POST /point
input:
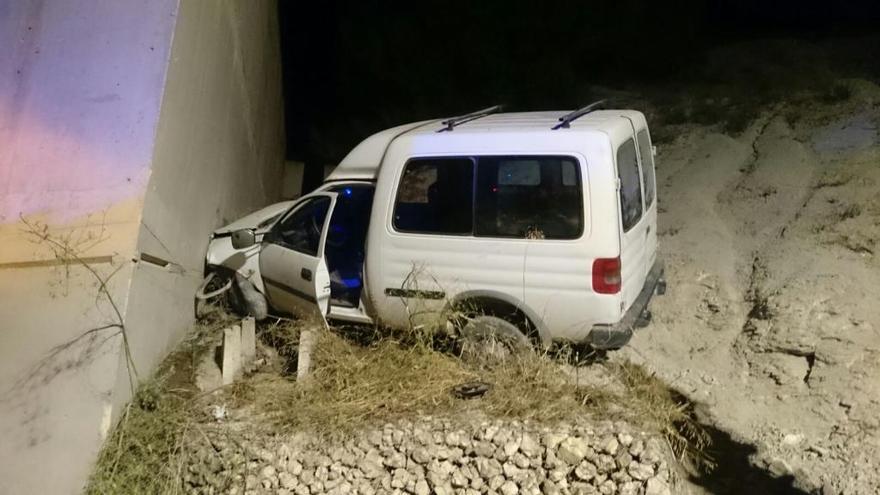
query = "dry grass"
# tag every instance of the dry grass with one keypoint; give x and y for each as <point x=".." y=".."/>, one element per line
<point x="352" y="385"/>
<point x="146" y="452"/>
<point x="355" y="385"/>
<point x="656" y="407"/>
<point x="369" y="381"/>
<point x="159" y="428"/>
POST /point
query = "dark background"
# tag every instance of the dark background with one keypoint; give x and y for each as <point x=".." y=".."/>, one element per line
<point x="352" y="68"/>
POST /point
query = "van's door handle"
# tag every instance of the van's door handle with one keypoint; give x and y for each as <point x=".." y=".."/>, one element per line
<point x="648" y="231"/>
<point x="306" y="274"/>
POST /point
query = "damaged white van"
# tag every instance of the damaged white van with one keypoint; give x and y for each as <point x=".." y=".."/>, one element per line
<point x="532" y="227"/>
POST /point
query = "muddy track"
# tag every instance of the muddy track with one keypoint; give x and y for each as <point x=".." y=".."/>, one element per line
<point x="770" y="322"/>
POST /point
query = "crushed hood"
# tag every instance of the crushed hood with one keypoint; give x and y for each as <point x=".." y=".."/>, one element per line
<point x="253" y="220"/>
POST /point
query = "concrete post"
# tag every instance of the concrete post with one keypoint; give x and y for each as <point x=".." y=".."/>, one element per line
<point x="248" y="342"/>
<point x="304" y="357"/>
<point x="231" y="354"/>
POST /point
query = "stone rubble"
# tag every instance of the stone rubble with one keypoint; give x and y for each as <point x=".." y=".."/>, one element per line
<point x="441" y="457"/>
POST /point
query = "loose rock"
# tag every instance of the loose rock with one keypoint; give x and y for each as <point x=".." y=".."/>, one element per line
<point x="508" y="459"/>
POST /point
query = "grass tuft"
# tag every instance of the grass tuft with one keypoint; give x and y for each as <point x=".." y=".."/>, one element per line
<point x="655" y="406"/>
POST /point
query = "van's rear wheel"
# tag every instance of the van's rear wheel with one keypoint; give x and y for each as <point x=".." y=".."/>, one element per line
<point x="490" y="338"/>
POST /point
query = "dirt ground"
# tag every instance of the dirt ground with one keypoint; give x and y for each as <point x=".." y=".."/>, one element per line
<point x="771" y="322"/>
<point x="770" y="325"/>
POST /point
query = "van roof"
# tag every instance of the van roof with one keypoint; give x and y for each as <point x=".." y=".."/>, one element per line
<point x="363" y="162"/>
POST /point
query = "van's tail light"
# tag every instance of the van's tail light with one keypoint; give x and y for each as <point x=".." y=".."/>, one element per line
<point x="606" y="275"/>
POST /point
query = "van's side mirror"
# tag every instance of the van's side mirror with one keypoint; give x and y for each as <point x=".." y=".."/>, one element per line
<point x="243" y="238"/>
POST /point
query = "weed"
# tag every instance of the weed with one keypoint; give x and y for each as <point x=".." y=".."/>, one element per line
<point x="354" y="386"/>
<point x="654" y="406"/>
<point x="145" y="450"/>
<point x="351" y="385"/>
<point x="156" y="434"/>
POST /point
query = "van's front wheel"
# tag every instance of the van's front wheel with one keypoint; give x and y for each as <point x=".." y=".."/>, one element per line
<point x="490" y="338"/>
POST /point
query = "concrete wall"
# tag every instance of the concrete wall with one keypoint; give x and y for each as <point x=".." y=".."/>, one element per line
<point x="219" y="154"/>
<point x="81" y="84"/>
<point x="125" y="127"/>
<point x="292" y="179"/>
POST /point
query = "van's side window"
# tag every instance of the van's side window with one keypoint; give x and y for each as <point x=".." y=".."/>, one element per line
<point x="647" y="167"/>
<point x="523" y="196"/>
<point x="436" y="196"/>
<point x="630" y="184"/>
<point x="301" y="230"/>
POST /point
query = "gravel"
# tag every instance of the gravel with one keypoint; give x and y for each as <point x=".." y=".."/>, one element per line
<point x="437" y="456"/>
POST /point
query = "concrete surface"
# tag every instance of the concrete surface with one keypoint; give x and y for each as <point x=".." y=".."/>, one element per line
<point x="77" y="121"/>
<point x="129" y="130"/>
<point x="292" y="179"/>
<point x="219" y="154"/>
<point x="232" y="354"/>
<point x="248" y="341"/>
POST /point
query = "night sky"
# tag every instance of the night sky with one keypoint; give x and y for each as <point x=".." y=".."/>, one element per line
<point x="352" y="68"/>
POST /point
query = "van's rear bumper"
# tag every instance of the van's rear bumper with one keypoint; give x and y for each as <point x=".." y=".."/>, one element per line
<point x="617" y="335"/>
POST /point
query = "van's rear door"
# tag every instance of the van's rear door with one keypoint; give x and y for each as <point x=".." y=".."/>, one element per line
<point x="292" y="261"/>
<point x="649" y="189"/>
<point x="634" y="226"/>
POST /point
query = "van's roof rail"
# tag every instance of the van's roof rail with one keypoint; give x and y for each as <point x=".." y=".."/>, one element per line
<point x="451" y="122"/>
<point x="568" y="118"/>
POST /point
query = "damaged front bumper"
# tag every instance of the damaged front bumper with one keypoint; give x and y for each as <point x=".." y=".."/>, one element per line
<point x="608" y="337"/>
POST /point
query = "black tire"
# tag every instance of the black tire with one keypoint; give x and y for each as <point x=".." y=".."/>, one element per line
<point x="487" y="337"/>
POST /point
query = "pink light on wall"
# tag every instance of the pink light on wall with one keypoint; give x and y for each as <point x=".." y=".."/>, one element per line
<point x="44" y="171"/>
<point x="81" y="86"/>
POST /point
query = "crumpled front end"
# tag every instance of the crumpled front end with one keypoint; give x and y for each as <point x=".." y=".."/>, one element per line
<point x="235" y="273"/>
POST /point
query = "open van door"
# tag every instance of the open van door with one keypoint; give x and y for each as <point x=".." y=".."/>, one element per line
<point x="292" y="258"/>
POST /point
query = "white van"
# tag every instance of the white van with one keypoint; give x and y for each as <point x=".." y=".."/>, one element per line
<point x="539" y="226"/>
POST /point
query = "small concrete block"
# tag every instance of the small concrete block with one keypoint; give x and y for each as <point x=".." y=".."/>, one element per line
<point x="248" y="341"/>
<point x="208" y="374"/>
<point x="231" y="353"/>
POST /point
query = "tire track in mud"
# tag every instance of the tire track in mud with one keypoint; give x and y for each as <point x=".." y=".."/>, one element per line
<point x="770" y="323"/>
<point x="773" y="191"/>
<point x="758" y="208"/>
<point x="777" y="181"/>
<point x="809" y="331"/>
<point x="748" y="192"/>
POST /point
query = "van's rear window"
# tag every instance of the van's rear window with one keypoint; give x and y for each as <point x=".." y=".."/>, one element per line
<point x="528" y="196"/>
<point x="538" y="197"/>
